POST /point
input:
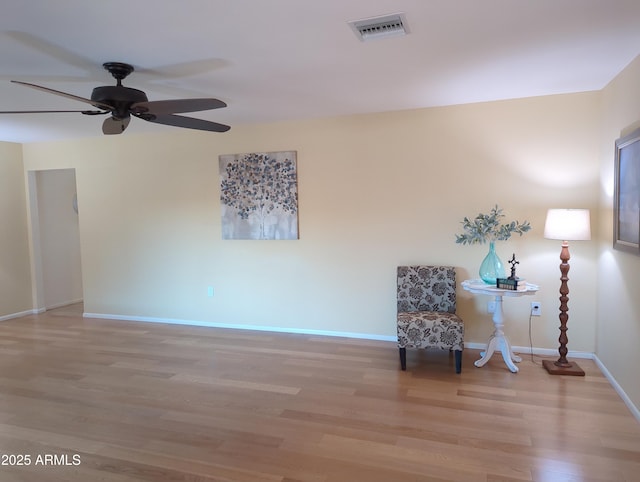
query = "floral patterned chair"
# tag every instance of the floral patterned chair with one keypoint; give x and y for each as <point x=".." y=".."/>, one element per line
<point x="427" y="311"/>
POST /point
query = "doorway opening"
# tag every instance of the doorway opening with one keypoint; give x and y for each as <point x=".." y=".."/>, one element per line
<point x="55" y="237"/>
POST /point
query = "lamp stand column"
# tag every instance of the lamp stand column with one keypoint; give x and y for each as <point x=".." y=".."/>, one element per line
<point x="562" y="366"/>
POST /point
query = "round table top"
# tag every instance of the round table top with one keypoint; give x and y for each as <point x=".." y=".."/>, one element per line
<point x="480" y="287"/>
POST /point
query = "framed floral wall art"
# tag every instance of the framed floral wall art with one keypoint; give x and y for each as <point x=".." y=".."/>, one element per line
<point x="626" y="202"/>
<point x="259" y="195"/>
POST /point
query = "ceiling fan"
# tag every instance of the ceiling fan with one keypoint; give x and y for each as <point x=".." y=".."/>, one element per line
<point x="123" y="102"/>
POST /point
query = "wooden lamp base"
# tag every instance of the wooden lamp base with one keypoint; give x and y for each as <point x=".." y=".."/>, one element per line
<point x="554" y="368"/>
<point x="563" y="366"/>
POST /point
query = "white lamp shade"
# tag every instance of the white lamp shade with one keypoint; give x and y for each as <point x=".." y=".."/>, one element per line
<point x="568" y="225"/>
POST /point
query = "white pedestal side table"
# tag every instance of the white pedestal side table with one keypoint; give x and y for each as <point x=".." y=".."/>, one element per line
<point x="498" y="340"/>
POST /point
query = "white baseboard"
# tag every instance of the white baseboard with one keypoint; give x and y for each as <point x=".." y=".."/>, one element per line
<point x="63" y="304"/>
<point x="172" y="321"/>
<point x="37" y="311"/>
<point x="535" y="351"/>
<point x="20" y="314"/>
<point x="627" y="401"/>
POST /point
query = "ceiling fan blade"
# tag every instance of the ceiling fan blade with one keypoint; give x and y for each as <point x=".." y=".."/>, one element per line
<point x="86" y="112"/>
<point x="174" y="106"/>
<point x="184" y="69"/>
<point x="64" y="94"/>
<point x="188" y="122"/>
<point x="153" y="78"/>
<point x="56" y="52"/>
<point x="111" y="125"/>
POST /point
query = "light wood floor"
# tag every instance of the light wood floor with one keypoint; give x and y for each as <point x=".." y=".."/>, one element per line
<point x="129" y="401"/>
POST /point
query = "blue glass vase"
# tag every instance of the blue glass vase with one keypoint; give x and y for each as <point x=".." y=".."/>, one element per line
<point x="491" y="267"/>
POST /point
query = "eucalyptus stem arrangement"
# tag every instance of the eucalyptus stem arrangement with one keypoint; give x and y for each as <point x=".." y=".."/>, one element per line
<point x="489" y="228"/>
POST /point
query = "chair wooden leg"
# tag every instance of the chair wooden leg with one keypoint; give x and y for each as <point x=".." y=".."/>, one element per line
<point x="403" y="358"/>
<point x="458" y="355"/>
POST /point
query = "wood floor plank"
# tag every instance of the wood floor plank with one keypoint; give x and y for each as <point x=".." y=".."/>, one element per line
<point x="153" y="402"/>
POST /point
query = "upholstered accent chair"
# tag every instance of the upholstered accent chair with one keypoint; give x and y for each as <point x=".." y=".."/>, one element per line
<point x="427" y="311"/>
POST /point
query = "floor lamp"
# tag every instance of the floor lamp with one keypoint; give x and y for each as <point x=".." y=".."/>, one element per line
<point x="566" y="225"/>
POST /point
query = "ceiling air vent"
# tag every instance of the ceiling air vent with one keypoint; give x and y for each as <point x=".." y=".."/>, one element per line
<point x="380" y="27"/>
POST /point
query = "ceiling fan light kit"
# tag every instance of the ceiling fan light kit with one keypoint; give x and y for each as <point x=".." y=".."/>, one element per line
<point x="123" y="102"/>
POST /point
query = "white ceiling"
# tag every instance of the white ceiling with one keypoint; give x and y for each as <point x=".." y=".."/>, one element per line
<point x="274" y="60"/>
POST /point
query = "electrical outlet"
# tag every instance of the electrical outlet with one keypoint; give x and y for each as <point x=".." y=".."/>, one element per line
<point x="491" y="307"/>
<point x="536" y="308"/>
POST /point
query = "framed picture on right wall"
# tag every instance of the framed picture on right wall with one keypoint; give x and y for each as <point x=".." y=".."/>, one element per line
<point x="626" y="200"/>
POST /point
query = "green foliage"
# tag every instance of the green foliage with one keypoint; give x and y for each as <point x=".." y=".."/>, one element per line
<point x="488" y="227"/>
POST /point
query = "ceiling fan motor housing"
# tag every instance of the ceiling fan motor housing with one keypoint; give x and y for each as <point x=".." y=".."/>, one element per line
<point x="119" y="97"/>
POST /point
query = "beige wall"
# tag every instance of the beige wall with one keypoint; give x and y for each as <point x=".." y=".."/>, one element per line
<point x="618" y="334"/>
<point x="15" y="274"/>
<point x="375" y="191"/>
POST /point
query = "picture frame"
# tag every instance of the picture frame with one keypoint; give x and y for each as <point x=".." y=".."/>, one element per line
<point x="626" y="201"/>
<point x="259" y="195"/>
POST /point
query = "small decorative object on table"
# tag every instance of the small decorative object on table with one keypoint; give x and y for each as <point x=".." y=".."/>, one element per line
<point x="512" y="282"/>
<point x="488" y="228"/>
